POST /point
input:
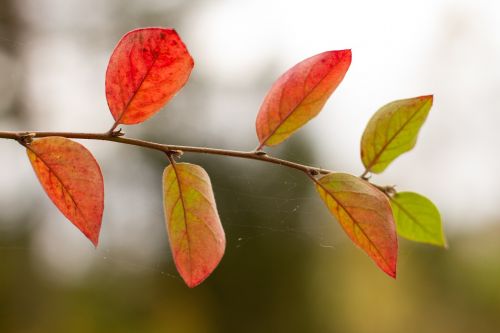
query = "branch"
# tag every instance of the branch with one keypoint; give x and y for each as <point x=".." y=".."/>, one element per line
<point x="117" y="136"/>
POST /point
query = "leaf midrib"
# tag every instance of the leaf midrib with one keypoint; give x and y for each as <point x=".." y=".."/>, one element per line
<point x="181" y="198"/>
<point x="127" y="105"/>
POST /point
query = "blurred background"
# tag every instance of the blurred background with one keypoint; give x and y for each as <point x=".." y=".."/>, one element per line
<point x="288" y="266"/>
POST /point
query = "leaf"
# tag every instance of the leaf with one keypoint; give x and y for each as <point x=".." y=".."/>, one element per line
<point x="73" y="181"/>
<point x="365" y="215"/>
<point x="147" y="68"/>
<point x="393" y="130"/>
<point x="194" y="229"/>
<point x="299" y="95"/>
<point x="417" y="218"/>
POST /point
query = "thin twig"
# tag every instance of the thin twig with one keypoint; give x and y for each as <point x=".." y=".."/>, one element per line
<point x="388" y="190"/>
<point x="364" y="175"/>
<point x="117" y="136"/>
<point x="112" y="129"/>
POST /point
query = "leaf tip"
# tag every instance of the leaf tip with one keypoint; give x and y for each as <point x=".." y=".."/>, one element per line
<point x="346" y="53"/>
<point x="389" y="267"/>
<point x="94" y="239"/>
<point x="192" y="283"/>
<point x="342" y="55"/>
<point x="445" y="244"/>
<point x="194" y="279"/>
<point x="92" y="235"/>
<point x="392" y="272"/>
<point x="428" y="98"/>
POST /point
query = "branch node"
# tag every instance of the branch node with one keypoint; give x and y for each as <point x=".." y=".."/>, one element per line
<point x="313" y="172"/>
<point x="25" y="138"/>
<point x="390" y="189"/>
<point x="366" y="177"/>
<point x="116" y="133"/>
<point x="260" y="153"/>
<point x="174" y="153"/>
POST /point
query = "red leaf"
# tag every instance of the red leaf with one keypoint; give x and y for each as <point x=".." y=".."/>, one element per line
<point x="196" y="236"/>
<point x="73" y="181"/>
<point x="365" y="214"/>
<point x="147" y="68"/>
<point x="299" y="95"/>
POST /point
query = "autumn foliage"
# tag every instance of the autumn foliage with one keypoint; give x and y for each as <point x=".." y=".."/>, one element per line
<point x="149" y="66"/>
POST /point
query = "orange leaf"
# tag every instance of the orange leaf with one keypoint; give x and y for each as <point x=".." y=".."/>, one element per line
<point x="147" y="68"/>
<point x="73" y="181"/>
<point x="365" y="214"/>
<point x="299" y="95"/>
<point x="194" y="229"/>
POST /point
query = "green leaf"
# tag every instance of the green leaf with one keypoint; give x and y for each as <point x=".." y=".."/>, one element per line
<point x="365" y="215"/>
<point x="417" y="218"/>
<point x="392" y="131"/>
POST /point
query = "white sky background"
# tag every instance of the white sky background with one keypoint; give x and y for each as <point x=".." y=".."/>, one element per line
<point x="400" y="49"/>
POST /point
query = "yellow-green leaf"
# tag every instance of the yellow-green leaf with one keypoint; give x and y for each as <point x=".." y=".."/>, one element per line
<point x="194" y="229"/>
<point x="417" y="218"/>
<point x="365" y="215"/>
<point x="393" y="130"/>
